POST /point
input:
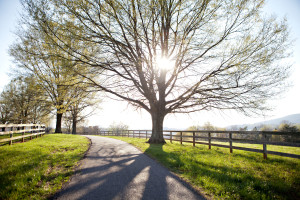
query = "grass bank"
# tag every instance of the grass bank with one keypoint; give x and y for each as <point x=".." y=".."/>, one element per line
<point x="241" y="175"/>
<point x="37" y="169"/>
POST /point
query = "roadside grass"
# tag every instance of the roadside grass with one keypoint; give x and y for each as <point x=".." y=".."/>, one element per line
<point x="240" y="175"/>
<point x="37" y="169"/>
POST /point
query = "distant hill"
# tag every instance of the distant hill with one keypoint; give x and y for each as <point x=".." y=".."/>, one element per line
<point x="293" y="119"/>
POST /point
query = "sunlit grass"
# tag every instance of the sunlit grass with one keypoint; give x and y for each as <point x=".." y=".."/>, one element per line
<point x="240" y="175"/>
<point x="38" y="168"/>
<point x="283" y="149"/>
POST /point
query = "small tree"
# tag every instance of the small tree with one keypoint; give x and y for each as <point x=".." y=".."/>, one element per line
<point x="118" y="127"/>
<point x="245" y="128"/>
<point x="194" y="128"/>
<point x="266" y="128"/>
<point x="84" y="105"/>
<point x="208" y="127"/>
<point x="287" y="127"/>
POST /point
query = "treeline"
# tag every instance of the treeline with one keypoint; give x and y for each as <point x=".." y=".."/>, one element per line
<point x="83" y="130"/>
<point x="23" y="101"/>
<point x="44" y="83"/>
<point x="116" y="127"/>
<point x="284" y="126"/>
<point x="31" y="99"/>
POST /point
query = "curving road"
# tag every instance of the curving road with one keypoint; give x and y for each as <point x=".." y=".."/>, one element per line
<point x="113" y="169"/>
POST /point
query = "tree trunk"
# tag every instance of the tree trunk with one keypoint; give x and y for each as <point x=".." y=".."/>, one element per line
<point x="157" y="128"/>
<point x="58" y="123"/>
<point x="74" y="123"/>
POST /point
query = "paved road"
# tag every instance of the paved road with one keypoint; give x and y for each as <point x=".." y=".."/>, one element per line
<point x="114" y="169"/>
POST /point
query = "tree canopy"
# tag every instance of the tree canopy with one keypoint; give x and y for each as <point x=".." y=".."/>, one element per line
<point x="23" y="101"/>
<point x="37" y="55"/>
<point x="171" y="56"/>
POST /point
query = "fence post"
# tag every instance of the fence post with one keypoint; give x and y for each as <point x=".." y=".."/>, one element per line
<point x="180" y="137"/>
<point x="209" y="140"/>
<point x="146" y="135"/>
<point x="11" y="135"/>
<point x="230" y="142"/>
<point x="264" y="145"/>
<point x="171" y="136"/>
<point x="193" y="138"/>
<point x="139" y="134"/>
<point x="40" y="132"/>
<point x="43" y="130"/>
<point x="23" y="133"/>
<point x="30" y="132"/>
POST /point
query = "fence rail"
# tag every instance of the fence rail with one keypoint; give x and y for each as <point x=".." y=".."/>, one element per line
<point x="291" y="139"/>
<point x="22" y="130"/>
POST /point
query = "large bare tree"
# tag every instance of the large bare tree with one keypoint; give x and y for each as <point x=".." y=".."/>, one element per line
<point x="173" y="56"/>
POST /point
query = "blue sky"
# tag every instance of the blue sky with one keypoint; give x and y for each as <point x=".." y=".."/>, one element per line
<point x="111" y="112"/>
<point x="8" y="21"/>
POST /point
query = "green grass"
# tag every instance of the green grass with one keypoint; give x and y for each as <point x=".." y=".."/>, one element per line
<point x="283" y="149"/>
<point x="37" y="169"/>
<point x="241" y="175"/>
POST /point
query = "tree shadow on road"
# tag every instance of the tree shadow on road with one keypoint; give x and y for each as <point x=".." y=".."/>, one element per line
<point x="125" y="176"/>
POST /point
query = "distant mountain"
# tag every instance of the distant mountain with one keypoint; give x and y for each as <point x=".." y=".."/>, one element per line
<point x="293" y="119"/>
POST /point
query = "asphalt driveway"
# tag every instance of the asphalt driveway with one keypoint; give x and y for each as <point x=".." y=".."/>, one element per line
<point x="113" y="169"/>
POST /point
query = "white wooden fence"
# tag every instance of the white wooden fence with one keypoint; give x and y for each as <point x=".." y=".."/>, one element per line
<point x="14" y="132"/>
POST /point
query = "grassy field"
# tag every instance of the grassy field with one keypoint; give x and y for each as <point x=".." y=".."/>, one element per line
<point x="37" y="169"/>
<point x="241" y="175"/>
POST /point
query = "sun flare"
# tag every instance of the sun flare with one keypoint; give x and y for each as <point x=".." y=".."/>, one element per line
<point x="164" y="63"/>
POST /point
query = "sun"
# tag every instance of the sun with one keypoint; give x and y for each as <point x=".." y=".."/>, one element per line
<point x="164" y="63"/>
